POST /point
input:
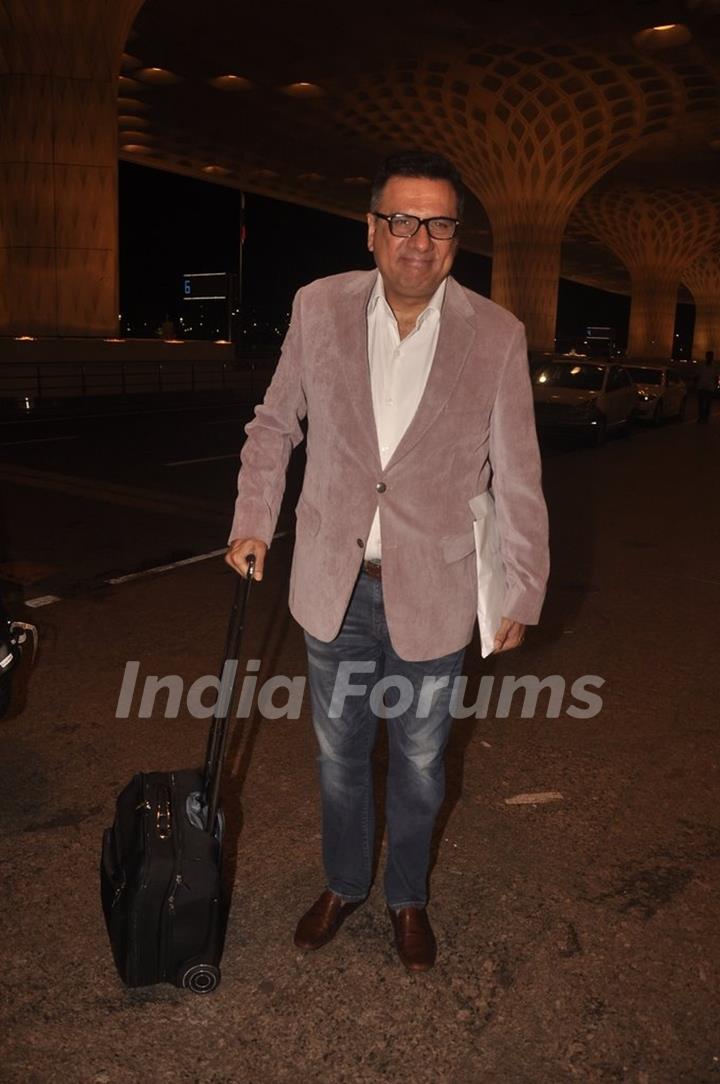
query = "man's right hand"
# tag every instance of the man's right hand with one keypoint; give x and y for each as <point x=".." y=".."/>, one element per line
<point x="240" y="550"/>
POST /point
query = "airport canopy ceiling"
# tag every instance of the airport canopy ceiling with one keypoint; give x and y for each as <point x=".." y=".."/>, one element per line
<point x="536" y="104"/>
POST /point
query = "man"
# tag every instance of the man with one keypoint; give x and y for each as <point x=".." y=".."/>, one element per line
<point x="416" y="392"/>
<point x="706" y="386"/>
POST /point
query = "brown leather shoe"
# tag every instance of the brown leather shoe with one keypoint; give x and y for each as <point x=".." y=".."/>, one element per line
<point x="320" y="924"/>
<point x="414" y="938"/>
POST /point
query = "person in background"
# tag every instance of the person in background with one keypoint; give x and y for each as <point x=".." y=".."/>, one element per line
<point x="706" y="386"/>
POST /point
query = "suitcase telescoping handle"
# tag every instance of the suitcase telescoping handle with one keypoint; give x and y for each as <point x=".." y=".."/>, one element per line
<point x="217" y="740"/>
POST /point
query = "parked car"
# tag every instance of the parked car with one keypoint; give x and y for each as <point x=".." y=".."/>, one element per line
<point x="583" y="395"/>
<point x="661" y="392"/>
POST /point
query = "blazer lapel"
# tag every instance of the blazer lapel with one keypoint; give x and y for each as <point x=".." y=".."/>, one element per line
<point x="457" y="334"/>
<point x="351" y="329"/>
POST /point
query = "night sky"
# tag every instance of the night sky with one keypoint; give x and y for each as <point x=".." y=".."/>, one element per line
<point x="171" y="225"/>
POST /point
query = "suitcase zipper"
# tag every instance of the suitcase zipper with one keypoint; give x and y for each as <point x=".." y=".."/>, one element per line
<point x="164" y="826"/>
<point x="163" y="814"/>
<point x="133" y="964"/>
<point x="113" y="870"/>
<point x="171" y="898"/>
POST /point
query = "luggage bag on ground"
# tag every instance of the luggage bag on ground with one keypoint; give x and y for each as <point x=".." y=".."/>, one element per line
<point x="161" y="864"/>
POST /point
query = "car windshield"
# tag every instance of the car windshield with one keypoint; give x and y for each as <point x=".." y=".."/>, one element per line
<point x="565" y="375"/>
<point x="646" y="376"/>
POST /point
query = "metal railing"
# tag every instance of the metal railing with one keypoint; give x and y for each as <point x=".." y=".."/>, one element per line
<point x="39" y="382"/>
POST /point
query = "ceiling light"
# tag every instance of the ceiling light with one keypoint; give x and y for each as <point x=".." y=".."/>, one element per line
<point x="302" y="90"/>
<point x="231" y="82"/>
<point x="157" y="76"/>
<point x="219" y="171"/>
<point x="135" y="148"/>
<point x="664" y="36"/>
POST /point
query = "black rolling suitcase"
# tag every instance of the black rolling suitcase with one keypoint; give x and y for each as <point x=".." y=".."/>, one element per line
<point x="161" y="861"/>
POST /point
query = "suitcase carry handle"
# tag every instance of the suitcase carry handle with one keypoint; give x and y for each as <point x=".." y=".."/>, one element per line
<point x="218" y="737"/>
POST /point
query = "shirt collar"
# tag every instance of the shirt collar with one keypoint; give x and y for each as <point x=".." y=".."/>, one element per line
<point x="434" y="304"/>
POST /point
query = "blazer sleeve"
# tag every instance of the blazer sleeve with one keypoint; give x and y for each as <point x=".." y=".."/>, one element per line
<point x="270" y="438"/>
<point x="521" y="511"/>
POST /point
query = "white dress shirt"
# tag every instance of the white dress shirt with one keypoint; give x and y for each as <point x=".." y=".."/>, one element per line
<point x="398" y="373"/>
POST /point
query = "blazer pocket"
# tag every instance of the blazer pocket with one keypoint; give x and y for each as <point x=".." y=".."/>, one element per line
<point x="456" y="546"/>
<point x="307" y="516"/>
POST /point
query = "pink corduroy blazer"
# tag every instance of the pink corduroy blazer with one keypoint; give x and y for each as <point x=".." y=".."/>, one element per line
<point x="474" y="428"/>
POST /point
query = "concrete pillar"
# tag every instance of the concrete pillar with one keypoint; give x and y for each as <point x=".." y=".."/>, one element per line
<point x="526" y="273"/>
<point x="58" y="165"/>
<point x="656" y="232"/>
<point x="702" y="278"/>
<point x="652" y="312"/>
<point x="531" y="129"/>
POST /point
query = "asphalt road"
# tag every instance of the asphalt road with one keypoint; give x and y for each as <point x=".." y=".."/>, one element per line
<point x="578" y="935"/>
<point x="87" y="499"/>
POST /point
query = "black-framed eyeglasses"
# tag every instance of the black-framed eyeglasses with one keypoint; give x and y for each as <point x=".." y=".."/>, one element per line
<point x="439" y="228"/>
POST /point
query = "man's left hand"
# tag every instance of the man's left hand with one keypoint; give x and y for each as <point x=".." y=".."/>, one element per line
<point x="510" y="634"/>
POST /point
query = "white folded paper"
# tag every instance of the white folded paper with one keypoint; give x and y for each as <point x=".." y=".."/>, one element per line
<point x="490" y="570"/>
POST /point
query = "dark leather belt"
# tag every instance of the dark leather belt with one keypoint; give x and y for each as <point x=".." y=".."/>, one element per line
<point x="373" y="568"/>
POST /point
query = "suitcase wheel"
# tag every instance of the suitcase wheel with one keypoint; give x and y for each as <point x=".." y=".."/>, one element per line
<point x="201" y="978"/>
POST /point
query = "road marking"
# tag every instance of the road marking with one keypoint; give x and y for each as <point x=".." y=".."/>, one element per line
<point x="165" y="568"/>
<point x="42" y="600"/>
<point x="178" y="564"/>
<point x="47" y="600"/>
<point x="541" y="797"/>
<point x="205" y="459"/>
<point x="36" y="440"/>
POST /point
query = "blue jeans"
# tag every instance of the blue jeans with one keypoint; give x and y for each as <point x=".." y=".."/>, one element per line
<point x="346" y="701"/>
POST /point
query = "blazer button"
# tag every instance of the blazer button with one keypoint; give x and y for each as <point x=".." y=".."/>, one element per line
<point x="381" y="487"/>
<point x="360" y="543"/>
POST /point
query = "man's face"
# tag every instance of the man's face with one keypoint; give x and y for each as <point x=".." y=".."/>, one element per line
<point x="412" y="267"/>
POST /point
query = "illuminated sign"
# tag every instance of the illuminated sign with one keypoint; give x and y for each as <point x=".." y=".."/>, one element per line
<point x="206" y="286"/>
